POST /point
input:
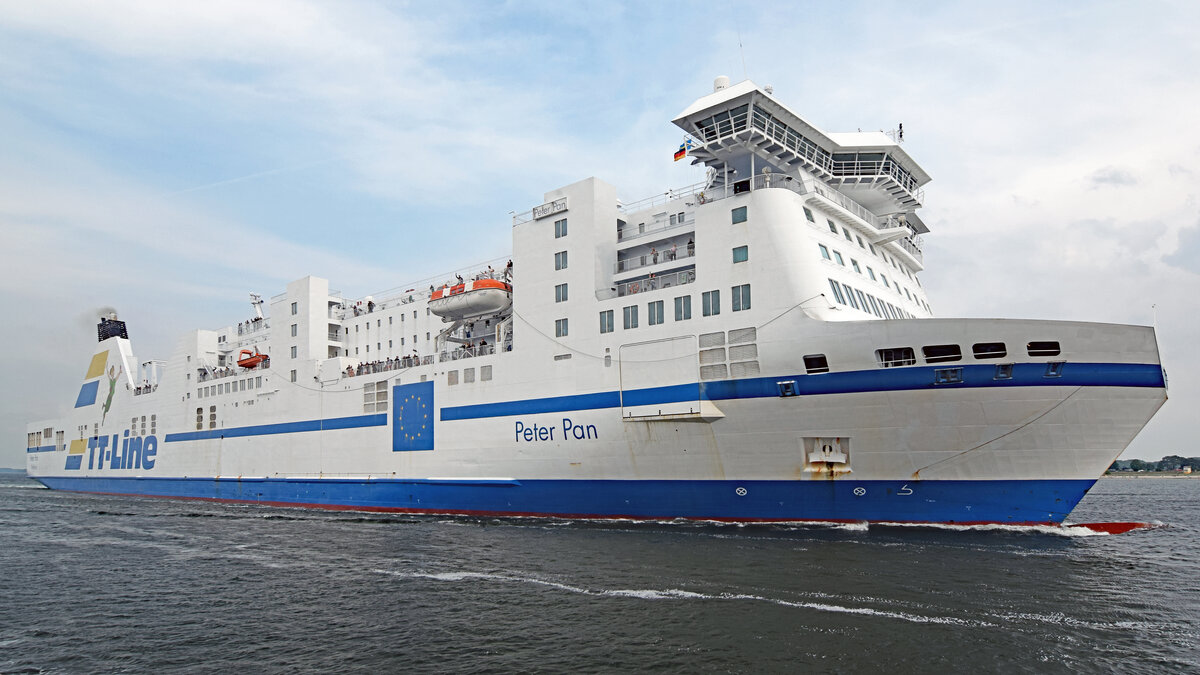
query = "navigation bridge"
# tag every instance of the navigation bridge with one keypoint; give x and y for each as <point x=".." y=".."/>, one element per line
<point x="741" y="131"/>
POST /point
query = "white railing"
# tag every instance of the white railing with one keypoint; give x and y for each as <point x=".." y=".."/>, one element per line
<point x="648" y="259"/>
<point x="656" y="283"/>
<point x="466" y="352"/>
<point x="663" y="224"/>
<point x="659" y="199"/>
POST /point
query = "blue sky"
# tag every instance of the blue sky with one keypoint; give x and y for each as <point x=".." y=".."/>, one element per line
<point x="168" y="158"/>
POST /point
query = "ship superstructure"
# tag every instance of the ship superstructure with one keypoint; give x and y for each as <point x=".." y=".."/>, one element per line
<point x="755" y="347"/>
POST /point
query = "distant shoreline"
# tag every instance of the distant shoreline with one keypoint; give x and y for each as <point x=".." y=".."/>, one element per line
<point x="1150" y="474"/>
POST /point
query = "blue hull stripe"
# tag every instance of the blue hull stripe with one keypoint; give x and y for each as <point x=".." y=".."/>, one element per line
<point x="862" y="381"/>
<point x="330" y="424"/>
<point x="42" y="448"/>
<point x="983" y="501"/>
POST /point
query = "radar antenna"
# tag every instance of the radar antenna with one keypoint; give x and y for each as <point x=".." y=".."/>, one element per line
<point x="256" y="302"/>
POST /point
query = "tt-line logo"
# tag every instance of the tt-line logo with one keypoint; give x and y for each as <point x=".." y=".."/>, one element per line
<point x="137" y="452"/>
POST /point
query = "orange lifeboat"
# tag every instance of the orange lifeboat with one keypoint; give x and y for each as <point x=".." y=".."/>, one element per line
<point x="471" y="298"/>
<point x="251" y="359"/>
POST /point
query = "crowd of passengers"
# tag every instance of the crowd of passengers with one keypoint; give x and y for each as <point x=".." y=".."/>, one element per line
<point x="384" y="365"/>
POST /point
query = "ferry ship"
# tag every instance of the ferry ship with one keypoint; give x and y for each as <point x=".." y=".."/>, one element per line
<point x="756" y="347"/>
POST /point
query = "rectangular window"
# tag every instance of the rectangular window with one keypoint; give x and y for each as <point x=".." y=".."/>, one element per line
<point x="838" y="256"/>
<point x="832" y="227"/>
<point x="710" y="302"/>
<point x="560" y="228"/>
<point x="560" y="260"/>
<point x="854" y="264"/>
<point x="862" y="300"/>
<point x="875" y="306"/>
<point x="871" y="273"/>
<point x="824" y="251"/>
<point x="816" y="363"/>
<point x="741" y="254"/>
<point x="885" y="281"/>
<point x="560" y="328"/>
<point x="560" y="293"/>
<point x="293" y="351"/>
<point x="739" y="215"/>
<point x="1003" y="371"/>
<point x="860" y="241"/>
<point x="837" y="291"/>
<point x="896" y="356"/>
<point x="808" y="214"/>
<point x="848" y="237"/>
<point x="941" y="353"/>
<point x="683" y="308"/>
<point x="989" y="350"/>
<point x="655" y="312"/>
<point x="741" y="297"/>
<point x="606" y="321"/>
<point x="293" y="330"/>
<point x="947" y="375"/>
<point x="1043" y="349"/>
<point x="631" y="318"/>
<point x="295" y="308"/>
<point x="850" y="296"/>
<point x="293" y="376"/>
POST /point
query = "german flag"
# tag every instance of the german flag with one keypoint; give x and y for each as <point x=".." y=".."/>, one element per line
<point x="681" y="152"/>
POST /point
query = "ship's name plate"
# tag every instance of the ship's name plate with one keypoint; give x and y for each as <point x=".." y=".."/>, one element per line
<point x="550" y="208"/>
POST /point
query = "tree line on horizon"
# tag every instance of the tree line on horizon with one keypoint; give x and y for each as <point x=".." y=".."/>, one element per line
<point x="1168" y="463"/>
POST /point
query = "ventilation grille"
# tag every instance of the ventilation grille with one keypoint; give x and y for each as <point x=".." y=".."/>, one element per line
<point x="717" y="372"/>
<point x="743" y="353"/>
<point x="712" y="340"/>
<point x="710" y="356"/>
<point x="742" y="335"/>
<point x="744" y="369"/>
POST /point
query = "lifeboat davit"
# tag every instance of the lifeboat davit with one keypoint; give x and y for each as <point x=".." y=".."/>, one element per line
<point x="251" y="359"/>
<point x="471" y="298"/>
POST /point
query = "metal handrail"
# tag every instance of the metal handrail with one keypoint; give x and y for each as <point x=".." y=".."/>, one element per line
<point x="659" y="225"/>
<point x="656" y="283"/>
<point x="647" y="259"/>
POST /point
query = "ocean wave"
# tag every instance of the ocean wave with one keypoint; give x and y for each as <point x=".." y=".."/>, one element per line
<point x="678" y="594"/>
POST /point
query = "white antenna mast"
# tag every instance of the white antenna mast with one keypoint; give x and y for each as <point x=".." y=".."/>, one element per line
<point x="256" y="302"/>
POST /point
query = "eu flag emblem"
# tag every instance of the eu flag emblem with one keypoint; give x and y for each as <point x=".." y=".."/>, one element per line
<point x="412" y="417"/>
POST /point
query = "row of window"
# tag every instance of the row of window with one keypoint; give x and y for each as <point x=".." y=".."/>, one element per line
<point x="906" y="356"/>
<point x="866" y="302"/>
<point x="468" y="375"/>
<point x="230" y="387"/>
<point x="656" y="312"/>
<point x="837" y="257"/>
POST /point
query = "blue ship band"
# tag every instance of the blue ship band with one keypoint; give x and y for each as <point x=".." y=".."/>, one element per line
<point x="843" y="500"/>
<point x="854" y="382"/>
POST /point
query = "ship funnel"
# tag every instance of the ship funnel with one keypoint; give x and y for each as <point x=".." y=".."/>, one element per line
<point x="722" y="82"/>
<point x="109" y="327"/>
